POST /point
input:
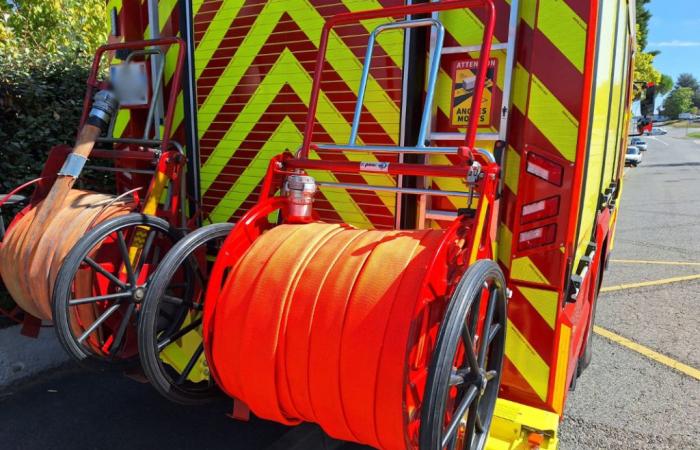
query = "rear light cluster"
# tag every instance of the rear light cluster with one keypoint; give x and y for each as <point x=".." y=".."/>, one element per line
<point x="545" y="169"/>
<point x="547" y="209"/>
<point x="537" y="237"/>
<point x="542" y="209"/>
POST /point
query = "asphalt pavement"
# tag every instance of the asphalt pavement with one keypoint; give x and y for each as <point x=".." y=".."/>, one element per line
<point x="625" y="400"/>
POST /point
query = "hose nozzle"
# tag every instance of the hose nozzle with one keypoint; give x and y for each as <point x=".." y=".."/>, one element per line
<point x="104" y="106"/>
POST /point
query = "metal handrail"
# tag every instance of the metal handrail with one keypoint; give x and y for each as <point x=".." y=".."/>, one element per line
<point x="432" y="74"/>
<point x="403" y="150"/>
<point x="402" y="190"/>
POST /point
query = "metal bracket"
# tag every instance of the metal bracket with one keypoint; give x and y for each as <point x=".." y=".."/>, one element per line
<point x="73" y="166"/>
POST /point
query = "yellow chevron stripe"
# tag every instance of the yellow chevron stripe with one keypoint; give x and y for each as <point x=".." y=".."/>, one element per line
<point x="565" y="29"/>
<point x="545" y="302"/>
<point x="521" y="83"/>
<point x="216" y="30"/>
<point x="196" y="4"/>
<point x="561" y="369"/>
<point x="505" y="242"/>
<point x="511" y="171"/>
<point x="286" y="137"/>
<point x="165" y="10"/>
<point x="277" y="77"/>
<point x="525" y="270"/>
<point x="528" y="362"/>
<point x="111" y="4"/>
<point x="479" y="229"/>
<point x="528" y="12"/>
<point x="123" y="116"/>
<point x="339" y="56"/>
<point x="388" y="40"/>
<point x="552" y="119"/>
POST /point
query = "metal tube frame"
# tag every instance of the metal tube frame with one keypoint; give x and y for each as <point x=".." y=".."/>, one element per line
<point x="405" y="10"/>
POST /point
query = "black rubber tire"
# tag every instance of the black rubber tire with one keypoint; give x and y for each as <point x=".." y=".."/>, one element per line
<point x="154" y="368"/>
<point x="62" y="288"/>
<point x="441" y="369"/>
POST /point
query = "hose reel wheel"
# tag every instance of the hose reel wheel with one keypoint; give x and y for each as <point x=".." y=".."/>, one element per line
<point x="467" y="363"/>
<point x="101" y="285"/>
<point x="169" y="333"/>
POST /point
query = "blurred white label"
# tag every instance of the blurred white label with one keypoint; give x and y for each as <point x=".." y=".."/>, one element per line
<point x="130" y="82"/>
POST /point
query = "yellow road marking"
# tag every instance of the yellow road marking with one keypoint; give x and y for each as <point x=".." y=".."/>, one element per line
<point x="649" y="353"/>
<point x="660" y="263"/>
<point x="621" y="287"/>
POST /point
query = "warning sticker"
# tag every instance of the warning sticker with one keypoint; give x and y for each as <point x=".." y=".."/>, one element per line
<point x="464" y="79"/>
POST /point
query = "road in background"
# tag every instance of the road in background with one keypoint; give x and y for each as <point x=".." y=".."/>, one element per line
<point x="625" y="400"/>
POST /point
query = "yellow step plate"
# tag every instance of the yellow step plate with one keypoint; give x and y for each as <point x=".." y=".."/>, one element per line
<point x="521" y="427"/>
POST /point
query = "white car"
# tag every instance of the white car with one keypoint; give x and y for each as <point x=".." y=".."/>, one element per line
<point x="633" y="157"/>
<point x="658" y="132"/>
<point x="639" y="143"/>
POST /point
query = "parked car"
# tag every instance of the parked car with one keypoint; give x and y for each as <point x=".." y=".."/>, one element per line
<point x="658" y="132"/>
<point x="639" y="143"/>
<point x="633" y="157"/>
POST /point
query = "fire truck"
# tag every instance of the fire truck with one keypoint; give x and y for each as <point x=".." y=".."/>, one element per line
<point x="507" y="118"/>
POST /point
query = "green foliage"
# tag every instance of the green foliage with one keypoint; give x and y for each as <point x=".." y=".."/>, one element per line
<point x="665" y="85"/>
<point x="46" y="47"/>
<point x="688" y="81"/>
<point x="40" y="105"/>
<point x="680" y="100"/>
<point x="52" y="27"/>
<point x="643" y="17"/>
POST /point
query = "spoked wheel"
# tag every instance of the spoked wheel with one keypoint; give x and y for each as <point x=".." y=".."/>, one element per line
<point x="466" y="367"/>
<point x="170" y="327"/>
<point x="101" y="285"/>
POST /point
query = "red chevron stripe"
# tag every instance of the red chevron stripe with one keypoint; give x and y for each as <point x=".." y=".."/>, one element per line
<point x="335" y="88"/>
<point x="515" y="387"/>
<point x="370" y="203"/>
<point x="502" y="13"/>
<point x="540" y="57"/>
<point x="202" y="20"/>
<point x="582" y="8"/>
<point x="526" y="319"/>
<point x="240" y="29"/>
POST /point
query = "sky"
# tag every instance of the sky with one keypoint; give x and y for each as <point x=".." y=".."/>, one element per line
<point x="674" y="30"/>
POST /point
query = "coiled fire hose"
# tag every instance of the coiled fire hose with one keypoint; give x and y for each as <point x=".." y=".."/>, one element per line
<point x="36" y="244"/>
<point x="323" y="323"/>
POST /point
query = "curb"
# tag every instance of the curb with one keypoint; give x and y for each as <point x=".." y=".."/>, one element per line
<point x="22" y="357"/>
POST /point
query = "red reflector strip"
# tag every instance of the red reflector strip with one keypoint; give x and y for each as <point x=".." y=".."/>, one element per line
<point x="537" y="237"/>
<point x="542" y="209"/>
<point x="545" y="169"/>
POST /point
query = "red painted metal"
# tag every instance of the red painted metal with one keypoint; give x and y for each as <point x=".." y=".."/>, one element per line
<point x="406" y="10"/>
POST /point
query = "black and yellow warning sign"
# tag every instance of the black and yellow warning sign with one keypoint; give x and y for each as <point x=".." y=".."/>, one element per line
<point x="464" y="80"/>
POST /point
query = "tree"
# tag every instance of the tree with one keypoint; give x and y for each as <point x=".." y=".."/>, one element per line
<point x="696" y="99"/>
<point x="643" y="17"/>
<point x="687" y="80"/>
<point x="644" y="70"/>
<point x="680" y="100"/>
<point x="52" y="27"/>
<point x="665" y="84"/>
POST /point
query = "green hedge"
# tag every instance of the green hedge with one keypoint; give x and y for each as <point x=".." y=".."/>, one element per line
<point x="40" y="106"/>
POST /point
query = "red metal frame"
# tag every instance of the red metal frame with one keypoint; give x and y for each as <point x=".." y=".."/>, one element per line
<point x="407" y="10"/>
<point x="94" y="84"/>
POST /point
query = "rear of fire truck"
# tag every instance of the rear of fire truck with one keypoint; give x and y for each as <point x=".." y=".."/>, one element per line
<point x="555" y="113"/>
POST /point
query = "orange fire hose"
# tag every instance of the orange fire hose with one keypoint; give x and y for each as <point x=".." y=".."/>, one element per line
<point x="29" y="273"/>
<point x="318" y="323"/>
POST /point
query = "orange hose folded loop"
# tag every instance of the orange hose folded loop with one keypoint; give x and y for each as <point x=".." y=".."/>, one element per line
<point x="29" y="273"/>
<point x="318" y="323"/>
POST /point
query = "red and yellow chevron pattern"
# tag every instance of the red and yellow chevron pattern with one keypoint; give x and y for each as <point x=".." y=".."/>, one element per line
<point x="254" y="64"/>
